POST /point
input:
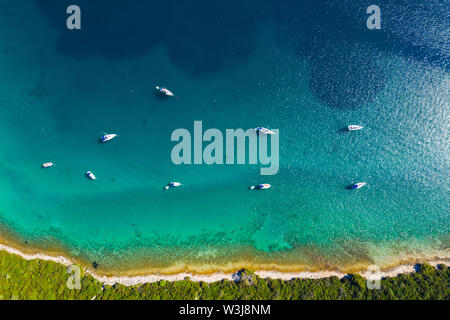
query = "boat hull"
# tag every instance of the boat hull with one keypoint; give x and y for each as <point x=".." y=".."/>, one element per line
<point x="354" y="128"/>
<point x="48" y="165"/>
<point x="108" y="137"/>
<point x="165" y="91"/>
<point x="264" y="130"/>
<point x="358" y="185"/>
<point x="90" y="175"/>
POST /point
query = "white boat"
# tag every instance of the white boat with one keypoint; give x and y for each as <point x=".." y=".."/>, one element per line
<point x="165" y="91"/>
<point x="172" y="185"/>
<point x="90" y="175"/>
<point x="108" y="137"/>
<point x="264" y="130"/>
<point x="48" y="165"/>
<point x="354" y="127"/>
<point x="261" y="186"/>
<point x="358" y="185"/>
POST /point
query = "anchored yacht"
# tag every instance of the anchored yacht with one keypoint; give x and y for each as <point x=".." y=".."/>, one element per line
<point x="354" y="127"/>
<point x="165" y="91"/>
<point x="48" y="165"/>
<point x="261" y="186"/>
<point x="90" y="175"/>
<point x="172" y="185"/>
<point x="358" y="185"/>
<point x="108" y="137"/>
<point x="264" y="130"/>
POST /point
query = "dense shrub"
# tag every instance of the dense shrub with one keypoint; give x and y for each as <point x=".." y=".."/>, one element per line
<point x="38" y="279"/>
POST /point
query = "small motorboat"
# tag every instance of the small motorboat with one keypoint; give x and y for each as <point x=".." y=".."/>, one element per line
<point x="48" y="165"/>
<point x="172" y="185"/>
<point x="358" y="185"/>
<point x="354" y="127"/>
<point x="108" y="137"/>
<point x="165" y="91"/>
<point x="261" y="186"/>
<point x="264" y="130"/>
<point x="90" y="175"/>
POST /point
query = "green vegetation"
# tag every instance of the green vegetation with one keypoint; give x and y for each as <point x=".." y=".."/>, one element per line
<point x="38" y="279"/>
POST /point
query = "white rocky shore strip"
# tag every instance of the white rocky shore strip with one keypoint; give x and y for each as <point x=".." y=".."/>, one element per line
<point x="135" y="280"/>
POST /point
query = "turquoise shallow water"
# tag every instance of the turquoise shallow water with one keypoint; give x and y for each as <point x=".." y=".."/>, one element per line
<point x="59" y="91"/>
